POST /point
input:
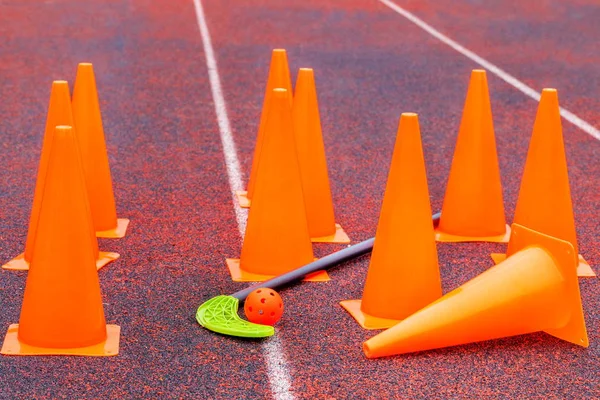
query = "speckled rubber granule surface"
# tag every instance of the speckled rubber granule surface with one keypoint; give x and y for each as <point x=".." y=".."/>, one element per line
<point x="170" y="179"/>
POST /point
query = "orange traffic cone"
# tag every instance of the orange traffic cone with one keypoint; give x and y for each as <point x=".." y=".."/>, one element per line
<point x="59" y="113"/>
<point x="277" y="238"/>
<point x="473" y="209"/>
<point x="62" y="305"/>
<point x="403" y="275"/>
<point x="536" y="289"/>
<point x="313" y="163"/>
<point x="88" y="121"/>
<point x="544" y="202"/>
<point x="279" y="77"/>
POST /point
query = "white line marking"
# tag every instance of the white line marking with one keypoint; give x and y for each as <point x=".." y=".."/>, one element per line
<point x="231" y="159"/>
<point x="511" y="80"/>
<point x="278" y="374"/>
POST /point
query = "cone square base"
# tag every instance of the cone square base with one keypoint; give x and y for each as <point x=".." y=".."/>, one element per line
<point x="105" y="257"/>
<point x="338" y="237"/>
<point x="365" y="320"/>
<point x="19" y="264"/>
<point x="450" y="238"/>
<point x="583" y="268"/>
<point x="110" y="347"/>
<point x="239" y="275"/>
<point x="243" y="199"/>
<point x="116" y="233"/>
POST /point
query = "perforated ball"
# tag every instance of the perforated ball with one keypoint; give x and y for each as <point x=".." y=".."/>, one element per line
<point x="263" y="306"/>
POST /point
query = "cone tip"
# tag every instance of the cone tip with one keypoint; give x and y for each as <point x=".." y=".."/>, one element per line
<point x="549" y="93"/>
<point x="63" y="129"/>
<point x="85" y="68"/>
<point x="409" y="115"/>
<point x="478" y="72"/>
<point x="549" y="96"/>
<point x="408" y="121"/>
<point x="59" y="82"/>
<point x="277" y="51"/>
<point x="280" y="92"/>
<point x="305" y="77"/>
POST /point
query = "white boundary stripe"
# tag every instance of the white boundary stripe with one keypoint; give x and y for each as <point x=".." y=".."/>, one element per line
<point x="511" y="80"/>
<point x="279" y="377"/>
<point x="231" y="159"/>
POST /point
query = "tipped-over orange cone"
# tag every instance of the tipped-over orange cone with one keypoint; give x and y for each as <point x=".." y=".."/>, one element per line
<point x="277" y="238"/>
<point x="536" y="289"/>
<point x="473" y="209"/>
<point x="544" y="202"/>
<point x="59" y="113"/>
<point x="62" y="306"/>
<point x="403" y="275"/>
<point x="313" y="163"/>
<point x="88" y="121"/>
<point x="279" y="77"/>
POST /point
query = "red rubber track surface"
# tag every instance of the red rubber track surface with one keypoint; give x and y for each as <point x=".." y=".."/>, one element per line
<point x="170" y="179"/>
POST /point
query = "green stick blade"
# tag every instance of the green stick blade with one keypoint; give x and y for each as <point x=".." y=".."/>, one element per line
<point x="219" y="314"/>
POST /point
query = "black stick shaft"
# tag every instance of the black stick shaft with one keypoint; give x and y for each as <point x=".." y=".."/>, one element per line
<point x="321" y="264"/>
